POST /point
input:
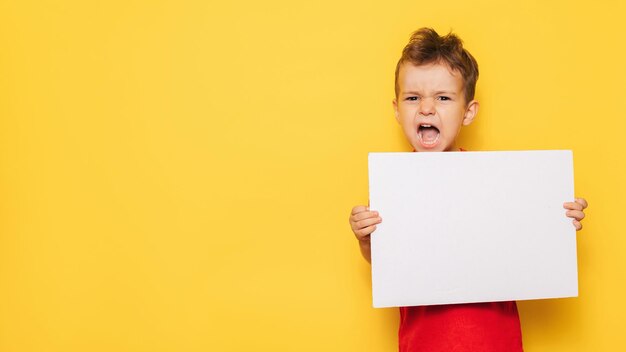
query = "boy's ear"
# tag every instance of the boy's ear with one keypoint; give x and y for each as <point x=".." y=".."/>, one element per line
<point x="470" y="112"/>
<point x="395" y="109"/>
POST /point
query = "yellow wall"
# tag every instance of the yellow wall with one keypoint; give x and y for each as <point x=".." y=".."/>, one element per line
<point x="177" y="175"/>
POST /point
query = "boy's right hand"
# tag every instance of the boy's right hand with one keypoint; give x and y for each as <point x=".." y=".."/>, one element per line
<point x="363" y="222"/>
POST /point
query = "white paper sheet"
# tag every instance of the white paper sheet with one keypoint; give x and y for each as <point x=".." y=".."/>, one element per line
<point x="463" y="227"/>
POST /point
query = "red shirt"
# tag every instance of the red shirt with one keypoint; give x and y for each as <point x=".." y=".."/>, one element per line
<point x="480" y="327"/>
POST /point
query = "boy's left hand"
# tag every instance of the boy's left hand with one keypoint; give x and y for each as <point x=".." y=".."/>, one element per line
<point x="576" y="211"/>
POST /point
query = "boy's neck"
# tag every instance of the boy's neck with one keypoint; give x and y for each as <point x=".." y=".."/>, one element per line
<point x="455" y="149"/>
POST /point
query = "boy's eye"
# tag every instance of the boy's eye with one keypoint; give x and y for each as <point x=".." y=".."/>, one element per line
<point x="444" y="98"/>
<point x="411" y="98"/>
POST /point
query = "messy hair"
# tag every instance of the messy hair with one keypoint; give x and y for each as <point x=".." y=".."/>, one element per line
<point x="426" y="47"/>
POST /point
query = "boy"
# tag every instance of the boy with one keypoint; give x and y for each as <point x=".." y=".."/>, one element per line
<point x="435" y="84"/>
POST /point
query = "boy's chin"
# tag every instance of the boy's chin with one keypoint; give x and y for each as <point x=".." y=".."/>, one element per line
<point x="439" y="147"/>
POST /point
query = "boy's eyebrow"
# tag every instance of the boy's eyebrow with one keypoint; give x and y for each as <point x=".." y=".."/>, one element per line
<point x="447" y="92"/>
<point x="436" y="93"/>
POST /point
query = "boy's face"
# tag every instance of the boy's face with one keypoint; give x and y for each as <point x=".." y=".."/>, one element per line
<point x="431" y="106"/>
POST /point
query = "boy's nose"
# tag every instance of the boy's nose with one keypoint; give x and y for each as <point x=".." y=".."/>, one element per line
<point x="426" y="107"/>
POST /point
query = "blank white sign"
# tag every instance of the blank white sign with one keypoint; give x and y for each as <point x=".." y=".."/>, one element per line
<point x="462" y="227"/>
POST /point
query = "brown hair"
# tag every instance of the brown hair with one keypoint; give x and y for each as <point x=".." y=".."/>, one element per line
<point x="426" y="46"/>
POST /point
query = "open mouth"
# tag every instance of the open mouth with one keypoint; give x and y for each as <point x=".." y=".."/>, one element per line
<point x="428" y="135"/>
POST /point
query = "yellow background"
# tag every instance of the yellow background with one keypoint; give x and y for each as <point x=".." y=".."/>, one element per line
<point x="177" y="175"/>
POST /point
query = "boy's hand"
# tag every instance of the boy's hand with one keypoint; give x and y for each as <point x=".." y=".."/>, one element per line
<point x="576" y="211"/>
<point x="363" y="222"/>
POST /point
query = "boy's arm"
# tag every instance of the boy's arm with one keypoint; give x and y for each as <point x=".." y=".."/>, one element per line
<point x="363" y="222"/>
<point x="576" y="211"/>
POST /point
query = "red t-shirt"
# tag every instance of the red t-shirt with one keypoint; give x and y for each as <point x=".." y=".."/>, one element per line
<point x="480" y="327"/>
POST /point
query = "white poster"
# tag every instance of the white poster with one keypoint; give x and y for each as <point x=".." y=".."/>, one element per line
<point x="463" y="227"/>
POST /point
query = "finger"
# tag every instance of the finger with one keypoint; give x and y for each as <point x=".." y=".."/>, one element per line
<point x="363" y="234"/>
<point x="575" y="214"/>
<point x="358" y="209"/>
<point x="573" y="206"/>
<point x="364" y="215"/>
<point x="582" y="202"/>
<point x="577" y="225"/>
<point x="367" y="222"/>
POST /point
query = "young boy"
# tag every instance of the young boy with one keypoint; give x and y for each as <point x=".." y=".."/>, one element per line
<point x="435" y="84"/>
